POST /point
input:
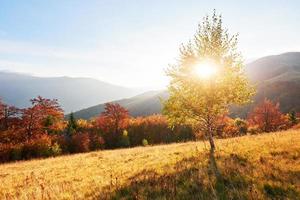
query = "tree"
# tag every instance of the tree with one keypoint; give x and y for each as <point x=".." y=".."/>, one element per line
<point x="292" y="118"/>
<point x="207" y="79"/>
<point x="1" y="109"/>
<point x="72" y="125"/>
<point x="35" y="118"/>
<point x="266" y="116"/>
<point x="112" y="121"/>
<point x="9" y="116"/>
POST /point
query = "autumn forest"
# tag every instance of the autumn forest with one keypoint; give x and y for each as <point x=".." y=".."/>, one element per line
<point x="42" y="131"/>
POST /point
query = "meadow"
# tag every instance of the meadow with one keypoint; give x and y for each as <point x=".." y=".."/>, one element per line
<point x="248" y="167"/>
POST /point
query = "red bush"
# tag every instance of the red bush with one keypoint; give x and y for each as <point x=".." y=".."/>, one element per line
<point x="96" y="141"/>
<point x="34" y="148"/>
<point x="80" y="143"/>
<point x="12" y="136"/>
<point x="5" y="150"/>
<point x="155" y="130"/>
<point x="37" y="147"/>
<point x="267" y="117"/>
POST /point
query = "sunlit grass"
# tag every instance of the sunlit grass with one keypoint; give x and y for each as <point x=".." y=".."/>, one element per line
<point x="260" y="166"/>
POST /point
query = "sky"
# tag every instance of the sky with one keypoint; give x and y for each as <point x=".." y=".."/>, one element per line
<point x="131" y="43"/>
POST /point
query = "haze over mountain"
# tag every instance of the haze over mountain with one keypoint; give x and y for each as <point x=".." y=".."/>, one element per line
<point x="275" y="68"/>
<point x="72" y="93"/>
<point x="141" y="105"/>
<point x="277" y="77"/>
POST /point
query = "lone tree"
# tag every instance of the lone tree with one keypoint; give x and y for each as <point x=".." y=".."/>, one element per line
<point x="207" y="79"/>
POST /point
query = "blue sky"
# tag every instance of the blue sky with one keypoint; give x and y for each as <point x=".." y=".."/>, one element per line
<point x="128" y="42"/>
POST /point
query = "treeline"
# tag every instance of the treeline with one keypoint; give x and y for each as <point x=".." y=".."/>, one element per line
<point x="41" y="131"/>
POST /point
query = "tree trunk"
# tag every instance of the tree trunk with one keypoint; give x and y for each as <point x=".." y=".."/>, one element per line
<point x="211" y="141"/>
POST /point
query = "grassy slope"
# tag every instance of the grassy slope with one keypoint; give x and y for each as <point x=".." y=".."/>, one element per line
<point x="250" y="167"/>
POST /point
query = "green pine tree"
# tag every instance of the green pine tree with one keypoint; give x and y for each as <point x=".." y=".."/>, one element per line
<point x="72" y="125"/>
<point x="293" y="118"/>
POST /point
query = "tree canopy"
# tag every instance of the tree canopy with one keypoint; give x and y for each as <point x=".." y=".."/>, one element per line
<point x="200" y="100"/>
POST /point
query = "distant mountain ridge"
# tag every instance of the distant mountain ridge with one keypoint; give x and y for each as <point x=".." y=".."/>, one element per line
<point x="141" y="105"/>
<point x="283" y="67"/>
<point x="277" y="78"/>
<point x="72" y="93"/>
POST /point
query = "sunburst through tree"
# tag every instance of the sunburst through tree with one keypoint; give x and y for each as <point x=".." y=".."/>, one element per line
<point x="207" y="79"/>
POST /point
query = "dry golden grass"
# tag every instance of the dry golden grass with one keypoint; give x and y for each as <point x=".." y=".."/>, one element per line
<point x="251" y="167"/>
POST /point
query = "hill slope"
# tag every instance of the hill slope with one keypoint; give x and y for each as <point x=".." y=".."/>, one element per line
<point x="251" y="167"/>
<point x="283" y="67"/>
<point x="141" y="105"/>
<point x="277" y="78"/>
<point x="72" y="93"/>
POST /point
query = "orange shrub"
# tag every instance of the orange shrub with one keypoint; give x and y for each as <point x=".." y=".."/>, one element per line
<point x="267" y="117"/>
<point x="296" y="127"/>
<point x="37" y="147"/>
<point x="96" y="141"/>
<point x="5" y="152"/>
<point x="224" y="127"/>
<point x="228" y="127"/>
<point x="80" y="143"/>
<point x="155" y="130"/>
<point x="12" y="136"/>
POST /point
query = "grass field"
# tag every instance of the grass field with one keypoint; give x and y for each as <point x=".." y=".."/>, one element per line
<point x="249" y="167"/>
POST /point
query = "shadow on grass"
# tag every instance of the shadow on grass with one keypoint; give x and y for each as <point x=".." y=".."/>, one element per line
<point x="199" y="177"/>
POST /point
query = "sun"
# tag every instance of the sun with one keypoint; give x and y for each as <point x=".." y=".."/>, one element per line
<point x="205" y="69"/>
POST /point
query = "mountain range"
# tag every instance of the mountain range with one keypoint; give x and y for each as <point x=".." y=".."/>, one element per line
<point x="72" y="93"/>
<point x="276" y="77"/>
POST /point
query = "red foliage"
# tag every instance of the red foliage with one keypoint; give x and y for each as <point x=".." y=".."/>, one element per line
<point x="111" y="122"/>
<point x="4" y="152"/>
<point x="23" y="131"/>
<point x="115" y="117"/>
<point x="296" y="127"/>
<point x="80" y="142"/>
<point x="228" y="127"/>
<point x="155" y="130"/>
<point x="9" y="116"/>
<point x="96" y="141"/>
<point x="1" y="109"/>
<point x="34" y="118"/>
<point x="38" y="147"/>
<point x="267" y="116"/>
<point x="11" y="136"/>
<point x="10" y="124"/>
